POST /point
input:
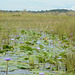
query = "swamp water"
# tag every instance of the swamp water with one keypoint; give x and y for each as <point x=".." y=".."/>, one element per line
<point x="32" y="52"/>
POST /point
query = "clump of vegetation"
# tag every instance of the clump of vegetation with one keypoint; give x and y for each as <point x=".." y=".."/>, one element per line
<point x="69" y="61"/>
<point x="7" y="47"/>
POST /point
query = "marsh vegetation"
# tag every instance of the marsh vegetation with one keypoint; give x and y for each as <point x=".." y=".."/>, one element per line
<point x="37" y="42"/>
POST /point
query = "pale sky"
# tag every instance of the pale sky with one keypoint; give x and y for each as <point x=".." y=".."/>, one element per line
<point x="36" y="5"/>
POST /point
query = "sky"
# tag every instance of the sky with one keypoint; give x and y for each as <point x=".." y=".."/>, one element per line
<point x="36" y="5"/>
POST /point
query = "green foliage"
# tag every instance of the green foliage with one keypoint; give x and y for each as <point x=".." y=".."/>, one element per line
<point x="29" y="43"/>
<point x="31" y="60"/>
<point x="26" y="48"/>
<point x="41" y="58"/>
<point x="63" y="54"/>
<point x="41" y="46"/>
<point x="26" y="58"/>
<point x="17" y="37"/>
<point x="22" y="31"/>
<point x="64" y="37"/>
<point x="23" y="66"/>
<point x="7" y="47"/>
<point x="2" y="51"/>
<point x="69" y="61"/>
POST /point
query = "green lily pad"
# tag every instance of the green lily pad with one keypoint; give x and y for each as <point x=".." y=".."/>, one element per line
<point x="73" y="50"/>
<point x="23" y="67"/>
<point x="2" y="51"/>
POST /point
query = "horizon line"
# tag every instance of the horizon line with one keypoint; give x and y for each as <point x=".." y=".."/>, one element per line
<point x="37" y="10"/>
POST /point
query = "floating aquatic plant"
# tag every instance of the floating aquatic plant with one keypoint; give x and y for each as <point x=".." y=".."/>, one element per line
<point x="41" y="73"/>
<point x="21" y="42"/>
<point x="41" y="38"/>
<point x="38" y="48"/>
<point x="52" y="30"/>
<point x="7" y="59"/>
<point x="12" y="39"/>
<point x="59" y="41"/>
<point x="71" y="33"/>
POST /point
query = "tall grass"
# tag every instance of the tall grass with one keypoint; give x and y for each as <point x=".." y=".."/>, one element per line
<point x="61" y="23"/>
<point x="69" y="61"/>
